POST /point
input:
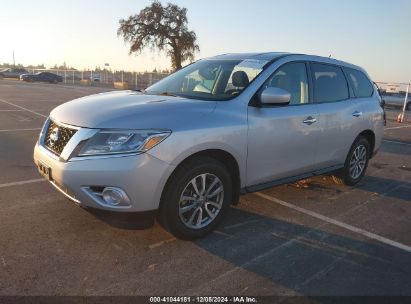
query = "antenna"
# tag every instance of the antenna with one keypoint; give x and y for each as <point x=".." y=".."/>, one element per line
<point x="14" y="61"/>
<point x="329" y="56"/>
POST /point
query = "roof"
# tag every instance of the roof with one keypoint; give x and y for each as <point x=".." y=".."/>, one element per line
<point x="270" y="56"/>
<point x="258" y="56"/>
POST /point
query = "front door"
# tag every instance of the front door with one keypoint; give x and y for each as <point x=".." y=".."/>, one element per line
<point x="282" y="140"/>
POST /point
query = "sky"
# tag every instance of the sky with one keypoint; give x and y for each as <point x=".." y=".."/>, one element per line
<point x="374" y="34"/>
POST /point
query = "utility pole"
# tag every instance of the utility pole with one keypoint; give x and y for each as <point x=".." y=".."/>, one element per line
<point x="14" y="61"/>
<point x="400" y="117"/>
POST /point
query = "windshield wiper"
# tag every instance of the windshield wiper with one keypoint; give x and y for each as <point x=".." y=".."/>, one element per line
<point x="140" y="90"/>
<point x="167" y="94"/>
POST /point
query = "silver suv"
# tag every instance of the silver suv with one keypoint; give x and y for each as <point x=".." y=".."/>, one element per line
<point x="185" y="148"/>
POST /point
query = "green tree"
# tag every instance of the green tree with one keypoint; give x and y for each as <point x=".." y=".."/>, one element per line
<point x="36" y="66"/>
<point x="163" y="28"/>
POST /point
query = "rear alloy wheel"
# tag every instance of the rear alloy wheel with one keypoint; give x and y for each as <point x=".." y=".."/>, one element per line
<point x="196" y="198"/>
<point x="358" y="161"/>
<point x="355" y="164"/>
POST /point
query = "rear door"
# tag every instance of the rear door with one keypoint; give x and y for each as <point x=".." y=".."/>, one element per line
<point x="339" y="117"/>
<point x="282" y="140"/>
<point x="368" y="101"/>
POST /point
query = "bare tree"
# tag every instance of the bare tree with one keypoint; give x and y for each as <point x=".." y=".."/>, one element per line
<point x="163" y="28"/>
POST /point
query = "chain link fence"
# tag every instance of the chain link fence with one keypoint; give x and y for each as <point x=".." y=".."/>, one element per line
<point x="107" y="78"/>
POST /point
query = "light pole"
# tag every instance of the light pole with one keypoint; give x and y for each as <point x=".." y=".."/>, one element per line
<point x="106" y="65"/>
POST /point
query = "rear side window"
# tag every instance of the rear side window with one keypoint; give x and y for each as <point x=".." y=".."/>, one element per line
<point x="359" y="82"/>
<point x="329" y="83"/>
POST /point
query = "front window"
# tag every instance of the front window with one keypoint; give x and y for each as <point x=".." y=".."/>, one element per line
<point x="291" y="77"/>
<point x="210" y="79"/>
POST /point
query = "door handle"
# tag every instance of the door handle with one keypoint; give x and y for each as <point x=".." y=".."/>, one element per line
<point x="309" y="120"/>
<point x="357" y="114"/>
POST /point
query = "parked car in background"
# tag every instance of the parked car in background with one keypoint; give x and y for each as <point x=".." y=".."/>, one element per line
<point x="186" y="147"/>
<point x="104" y="77"/>
<point x="12" y="72"/>
<point x="396" y="100"/>
<point x="42" y="77"/>
<point x="96" y="77"/>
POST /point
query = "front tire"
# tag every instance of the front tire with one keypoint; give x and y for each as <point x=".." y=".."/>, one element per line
<point x="195" y="198"/>
<point x="355" y="164"/>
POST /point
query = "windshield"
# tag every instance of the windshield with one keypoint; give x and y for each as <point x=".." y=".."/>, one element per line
<point x="210" y="79"/>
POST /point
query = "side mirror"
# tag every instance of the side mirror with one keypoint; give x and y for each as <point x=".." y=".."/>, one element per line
<point x="275" y="96"/>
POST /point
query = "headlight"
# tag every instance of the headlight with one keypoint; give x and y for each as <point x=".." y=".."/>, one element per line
<point x="124" y="141"/>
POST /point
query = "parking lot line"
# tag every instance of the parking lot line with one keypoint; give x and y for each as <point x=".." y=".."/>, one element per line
<point x="335" y="222"/>
<point x="12" y="110"/>
<point x="397" y="142"/>
<point x="30" y="181"/>
<point x="401" y="127"/>
<point x="16" y="130"/>
<point x="22" y="108"/>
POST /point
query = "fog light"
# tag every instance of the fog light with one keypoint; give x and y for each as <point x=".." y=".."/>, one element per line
<point x="115" y="197"/>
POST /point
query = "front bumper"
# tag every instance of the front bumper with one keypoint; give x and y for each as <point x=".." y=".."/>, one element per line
<point x="141" y="176"/>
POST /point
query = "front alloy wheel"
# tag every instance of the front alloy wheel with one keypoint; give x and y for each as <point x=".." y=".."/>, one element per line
<point x="201" y="201"/>
<point x="195" y="198"/>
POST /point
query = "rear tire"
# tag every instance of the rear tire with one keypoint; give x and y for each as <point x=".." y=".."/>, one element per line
<point x="355" y="164"/>
<point x="196" y="198"/>
<point x="408" y="106"/>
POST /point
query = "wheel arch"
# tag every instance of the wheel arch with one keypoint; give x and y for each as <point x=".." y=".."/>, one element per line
<point x="226" y="159"/>
<point x="369" y="135"/>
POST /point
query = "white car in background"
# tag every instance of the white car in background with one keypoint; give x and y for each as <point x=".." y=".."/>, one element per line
<point x="12" y="72"/>
<point x="396" y="100"/>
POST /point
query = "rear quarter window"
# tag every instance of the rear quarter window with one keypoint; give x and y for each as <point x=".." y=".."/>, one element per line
<point x="360" y="84"/>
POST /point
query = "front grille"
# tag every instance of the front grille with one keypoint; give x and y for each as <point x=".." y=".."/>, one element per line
<point x="57" y="137"/>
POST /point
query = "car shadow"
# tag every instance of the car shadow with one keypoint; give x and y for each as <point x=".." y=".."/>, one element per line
<point x="397" y="147"/>
<point x="386" y="187"/>
<point x="309" y="261"/>
<point x="124" y="220"/>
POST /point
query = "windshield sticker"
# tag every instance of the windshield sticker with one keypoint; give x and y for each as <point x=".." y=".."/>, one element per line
<point x="253" y="63"/>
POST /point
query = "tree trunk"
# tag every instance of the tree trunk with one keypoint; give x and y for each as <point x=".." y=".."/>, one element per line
<point x="176" y="59"/>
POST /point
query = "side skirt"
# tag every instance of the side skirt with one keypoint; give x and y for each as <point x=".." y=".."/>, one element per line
<point x="287" y="180"/>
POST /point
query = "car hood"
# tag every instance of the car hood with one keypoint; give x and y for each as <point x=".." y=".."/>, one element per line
<point x="131" y="110"/>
